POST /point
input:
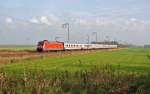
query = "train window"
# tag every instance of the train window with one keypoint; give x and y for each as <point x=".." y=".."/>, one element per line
<point x="40" y="43"/>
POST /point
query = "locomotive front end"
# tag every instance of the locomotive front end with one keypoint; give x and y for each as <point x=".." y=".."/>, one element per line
<point x="40" y="46"/>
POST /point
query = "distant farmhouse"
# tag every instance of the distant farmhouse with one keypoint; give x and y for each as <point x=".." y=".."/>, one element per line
<point x="146" y="46"/>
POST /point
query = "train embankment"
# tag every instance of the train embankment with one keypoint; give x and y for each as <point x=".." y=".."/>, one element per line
<point x="8" y="56"/>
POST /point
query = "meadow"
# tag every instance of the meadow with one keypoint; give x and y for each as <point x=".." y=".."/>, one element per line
<point x="17" y="47"/>
<point x="119" y="71"/>
<point x="130" y="60"/>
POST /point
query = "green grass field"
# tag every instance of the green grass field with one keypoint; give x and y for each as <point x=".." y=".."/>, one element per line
<point x="130" y="60"/>
<point x="123" y="71"/>
<point x="17" y="47"/>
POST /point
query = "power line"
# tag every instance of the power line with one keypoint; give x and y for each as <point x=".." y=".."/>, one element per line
<point x="66" y="25"/>
<point x="95" y="33"/>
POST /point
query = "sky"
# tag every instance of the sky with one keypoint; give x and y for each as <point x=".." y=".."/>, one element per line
<point x="29" y="21"/>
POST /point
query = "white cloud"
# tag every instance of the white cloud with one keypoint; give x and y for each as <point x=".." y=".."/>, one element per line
<point x="49" y="20"/>
<point x="103" y="22"/>
<point x="34" y="20"/>
<point x="82" y="22"/>
<point x="8" y="20"/>
<point x="94" y="23"/>
<point x="133" y="19"/>
<point x="45" y="20"/>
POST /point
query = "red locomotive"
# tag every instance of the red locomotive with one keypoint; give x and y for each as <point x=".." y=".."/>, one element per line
<point x="45" y="45"/>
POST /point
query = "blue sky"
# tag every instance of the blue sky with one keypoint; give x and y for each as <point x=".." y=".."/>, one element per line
<point x="28" y="21"/>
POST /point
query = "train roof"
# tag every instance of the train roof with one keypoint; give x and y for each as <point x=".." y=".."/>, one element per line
<point x="51" y="41"/>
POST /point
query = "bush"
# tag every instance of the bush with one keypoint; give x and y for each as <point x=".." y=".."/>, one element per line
<point x="96" y="81"/>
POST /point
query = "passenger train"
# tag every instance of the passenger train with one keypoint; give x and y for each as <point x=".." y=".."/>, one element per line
<point x="45" y="45"/>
